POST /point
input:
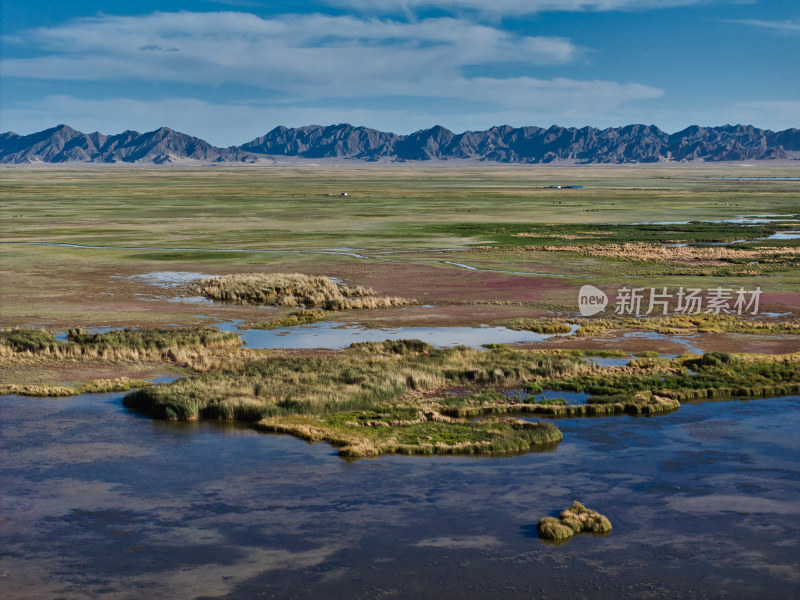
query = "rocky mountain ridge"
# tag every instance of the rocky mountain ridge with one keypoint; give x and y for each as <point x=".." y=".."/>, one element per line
<point x="502" y="144"/>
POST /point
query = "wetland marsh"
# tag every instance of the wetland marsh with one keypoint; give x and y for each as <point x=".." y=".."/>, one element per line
<point x="277" y="309"/>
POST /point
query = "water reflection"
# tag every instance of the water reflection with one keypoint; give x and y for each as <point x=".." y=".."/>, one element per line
<point x="334" y="335"/>
<point x="100" y="502"/>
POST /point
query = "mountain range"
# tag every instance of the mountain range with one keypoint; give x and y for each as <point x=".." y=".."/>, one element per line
<point x="503" y="144"/>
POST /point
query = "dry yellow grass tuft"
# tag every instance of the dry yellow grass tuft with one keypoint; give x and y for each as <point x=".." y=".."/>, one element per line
<point x="293" y="289"/>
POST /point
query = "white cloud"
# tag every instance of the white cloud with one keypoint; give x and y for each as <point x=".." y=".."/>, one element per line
<point x="311" y="69"/>
<point x="785" y="26"/>
<point x="337" y="56"/>
<point x="507" y="7"/>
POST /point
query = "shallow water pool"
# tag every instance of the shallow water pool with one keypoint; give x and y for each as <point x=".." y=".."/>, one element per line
<point x="334" y="335"/>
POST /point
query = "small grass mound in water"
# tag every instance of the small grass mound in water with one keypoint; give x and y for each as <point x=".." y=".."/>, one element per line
<point x="576" y="519"/>
<point x="294" y="318"/>
<point x="293" y="289"/>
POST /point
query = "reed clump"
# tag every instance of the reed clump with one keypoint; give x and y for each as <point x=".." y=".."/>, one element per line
<point x="576" y="519"/>
<point x="293" y="289"/>
<point x="712" y="375"/>
<point x="28" y="339"/>
<point x="155" y="339"/>
<point x="646" y="386"/>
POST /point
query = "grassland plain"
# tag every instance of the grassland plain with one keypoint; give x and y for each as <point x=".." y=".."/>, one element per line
<point x="472" y="244"/>
<point x="388" y="234"/>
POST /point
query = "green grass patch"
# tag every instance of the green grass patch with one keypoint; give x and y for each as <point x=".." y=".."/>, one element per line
<point x="29" y="340"/>
<point x="357" y="435"/>
<point x="294" y="318"/>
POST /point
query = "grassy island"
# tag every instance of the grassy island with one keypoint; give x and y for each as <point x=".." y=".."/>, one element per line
<point x="407" y="396"/>
<point x="382" y="397"/>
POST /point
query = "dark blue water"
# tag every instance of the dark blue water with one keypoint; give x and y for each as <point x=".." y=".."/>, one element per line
<point x="100" y="502"/>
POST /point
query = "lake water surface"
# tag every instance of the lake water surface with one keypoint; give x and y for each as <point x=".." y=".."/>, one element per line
<point x="97" y="501"/>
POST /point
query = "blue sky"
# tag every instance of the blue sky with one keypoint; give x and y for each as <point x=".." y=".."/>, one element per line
<point x="230" y="70"/>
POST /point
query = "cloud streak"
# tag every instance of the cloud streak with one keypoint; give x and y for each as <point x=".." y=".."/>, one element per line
<point x="785" y="26"/>
<point x="291" y="51"/>
<point x="507" y="7"/>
